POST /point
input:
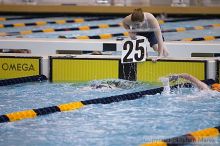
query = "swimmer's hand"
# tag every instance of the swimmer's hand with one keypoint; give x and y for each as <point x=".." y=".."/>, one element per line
<point x="163" y="52"/>
<point x="132" y="35"/>
<point x="154" y="59"/>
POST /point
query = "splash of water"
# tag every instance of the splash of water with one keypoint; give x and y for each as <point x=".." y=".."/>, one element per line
<point x="166" y="85"/>
<point x="113" y="83"/>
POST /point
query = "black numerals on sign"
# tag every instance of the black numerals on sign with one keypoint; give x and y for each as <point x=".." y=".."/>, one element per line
<point x="138" y="56"/>
<point x="139" y="48"/>
<point x="128" y="45"/>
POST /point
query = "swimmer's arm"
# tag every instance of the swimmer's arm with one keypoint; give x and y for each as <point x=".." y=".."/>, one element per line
<point x="195" y="81"/>
<point x="126" y="22"/>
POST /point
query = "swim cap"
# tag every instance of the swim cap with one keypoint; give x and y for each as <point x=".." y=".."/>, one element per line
<point x="173" y="78"/>
<point x="216" y="87"/>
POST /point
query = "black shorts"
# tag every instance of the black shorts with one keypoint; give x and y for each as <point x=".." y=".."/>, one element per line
<point x="150" y="36"/>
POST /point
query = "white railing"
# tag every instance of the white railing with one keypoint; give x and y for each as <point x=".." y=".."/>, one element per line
<point x="46" y="47"/>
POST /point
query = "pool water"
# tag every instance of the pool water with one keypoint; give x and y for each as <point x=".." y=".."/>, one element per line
<point x="122" y="123"/>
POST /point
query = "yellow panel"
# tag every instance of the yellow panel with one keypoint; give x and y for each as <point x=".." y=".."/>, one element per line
<point x="2" y="19"/>
<point x="19" y="25"/>
<point x="205" y="133"/>
<point x="39" y="23"/>
<point x="18" y="67"/>
<point x="216" y="25"/>
<point x="48" y="30"/>
<point x="68" y="70"/>
<point x="209" y="38"/>
<point x="25" y="32"/>
<point x="79" y="20"/>
<point x="103" y="26"/>
<point x="83" y="37"/>
<point x="151" y="72"/>
<point x="180" y="29"/>
<point x="105" y="36"/>
<point x="21" y="115"/>
<point x="159" y="143"/>
<point x="198" y="27"/>
<point x="2" y="26"/>
<point x="84" y="28"/>
<point x="60" y="21"/>
<point x="71" y="106"/>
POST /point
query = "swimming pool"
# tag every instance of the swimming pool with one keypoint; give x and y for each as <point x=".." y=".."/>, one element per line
<point x="122" y="123"/>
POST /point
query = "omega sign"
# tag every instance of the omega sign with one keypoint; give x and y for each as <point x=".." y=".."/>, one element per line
<point x="17" y="67"/>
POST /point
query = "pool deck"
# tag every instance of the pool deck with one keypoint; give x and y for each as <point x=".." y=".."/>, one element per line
<point x="193" y="10"/>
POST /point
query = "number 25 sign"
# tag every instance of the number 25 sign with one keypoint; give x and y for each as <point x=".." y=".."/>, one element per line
<point x="134" y="50"/>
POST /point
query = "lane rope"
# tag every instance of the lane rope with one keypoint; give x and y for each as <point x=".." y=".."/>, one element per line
<point x="20" y="80"/>
<point x="25" y="17"/>
<point x="186" y="139"/>
<point x="32" y="113"/>
<point x="62" y="21"/>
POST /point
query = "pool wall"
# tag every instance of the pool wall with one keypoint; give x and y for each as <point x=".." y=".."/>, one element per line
<point x="79" y="68"/>
<point x="65" y="69"/>
<point x="18" y="66"/>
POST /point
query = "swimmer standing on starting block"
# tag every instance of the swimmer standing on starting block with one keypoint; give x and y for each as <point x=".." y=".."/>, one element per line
<point x="145" y="24"/>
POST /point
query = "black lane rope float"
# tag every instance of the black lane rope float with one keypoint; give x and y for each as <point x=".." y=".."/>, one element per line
<point x="13" y="81"/>
<point x="32" y="113"/>
<point x="186" y="139"/>
<point x="63" y="21"/>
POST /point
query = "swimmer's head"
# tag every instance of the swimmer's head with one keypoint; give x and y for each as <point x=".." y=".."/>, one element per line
<point x="173" y="78"/>
<point x="137" y="15"/>
<point x="216" y="87"/>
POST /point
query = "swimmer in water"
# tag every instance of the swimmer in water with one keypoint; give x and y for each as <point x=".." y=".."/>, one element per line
<point x="196" y="82"/>
<point x="112" y="84"/>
